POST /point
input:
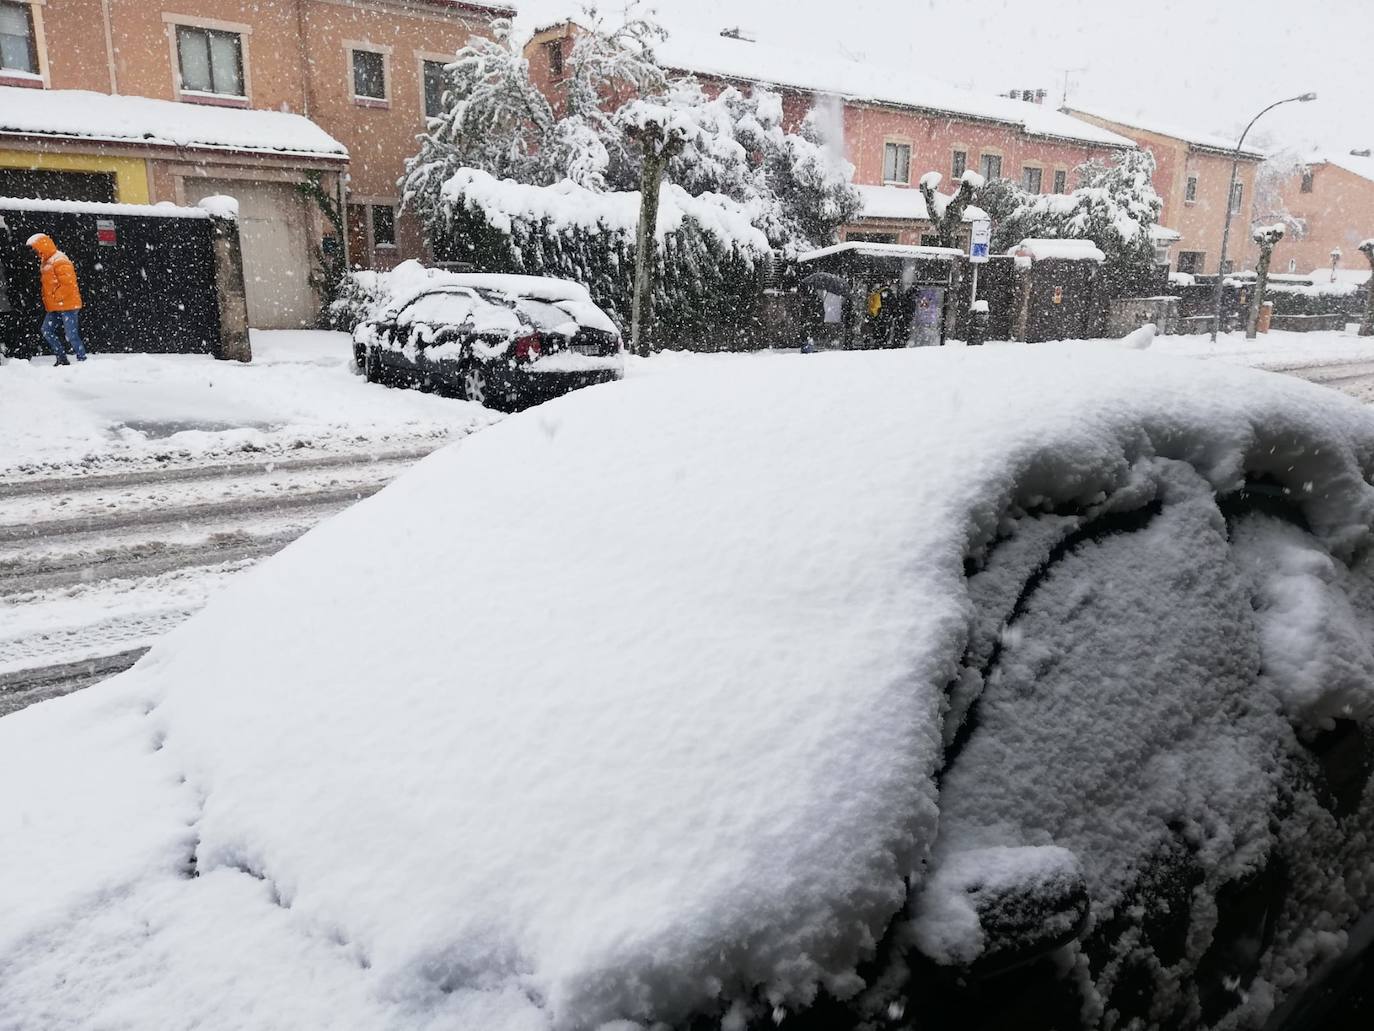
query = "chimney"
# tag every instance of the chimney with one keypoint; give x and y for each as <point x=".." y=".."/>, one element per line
<point x="1361" y="153"/>
<point x="1040" y="97"/>
<point x="738" y="33"/>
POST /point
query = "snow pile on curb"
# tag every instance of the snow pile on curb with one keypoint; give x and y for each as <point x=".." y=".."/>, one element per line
<point x="119" y="411"/>
<point x="579" y="722"/>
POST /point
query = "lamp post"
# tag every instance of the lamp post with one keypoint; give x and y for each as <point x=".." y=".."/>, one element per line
<point x="1230" y="193"/>
<point x="1335" y="260"/>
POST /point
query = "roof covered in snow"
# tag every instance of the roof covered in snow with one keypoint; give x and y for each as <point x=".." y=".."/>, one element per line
<point x="161" y="123"/>
<point x="506" y="752"/>
<point x="881" y="250"/>
<point x="1071" y="250"/>
<point x="1163" y="127"/>
<point x="752" y="61"/>
<point x="902" y="202"/>
<point x="1357" y="164"/>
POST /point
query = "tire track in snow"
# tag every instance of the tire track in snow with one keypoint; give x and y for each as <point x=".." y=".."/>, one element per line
<point x="83" y="595"/>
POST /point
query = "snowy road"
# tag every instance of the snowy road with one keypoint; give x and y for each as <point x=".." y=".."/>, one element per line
<point x="93" y="569"/>
<point x="1354" y="378"/>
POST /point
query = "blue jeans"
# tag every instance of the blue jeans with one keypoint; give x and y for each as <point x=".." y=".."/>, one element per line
<point x="70" y="321"/>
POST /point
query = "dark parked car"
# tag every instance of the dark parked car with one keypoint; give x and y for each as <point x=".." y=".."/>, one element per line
<point x="502" y="341"/>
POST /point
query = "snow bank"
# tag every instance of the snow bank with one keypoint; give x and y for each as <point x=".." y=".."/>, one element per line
<point x="121" y="411"/>
<point x="221" y="206"/>
<point x="148" y="122"/>
<point x="578" y="722"/>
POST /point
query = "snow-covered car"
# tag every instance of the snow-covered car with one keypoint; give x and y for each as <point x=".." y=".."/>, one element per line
<point x="998" y="688"/>
<point x="500" y="340"/>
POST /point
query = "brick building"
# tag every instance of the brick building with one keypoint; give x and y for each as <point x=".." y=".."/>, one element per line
<point x="893" y="125"/>
<point x="1332" y="199"/>
<point x="1192" y="174"/>
<point x="187" y="87"/>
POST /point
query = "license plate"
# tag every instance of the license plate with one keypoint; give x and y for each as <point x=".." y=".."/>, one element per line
<point x="587" y="348"/>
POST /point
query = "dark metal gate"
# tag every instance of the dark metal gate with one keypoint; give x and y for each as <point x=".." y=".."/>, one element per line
<point x="147" y="281"/>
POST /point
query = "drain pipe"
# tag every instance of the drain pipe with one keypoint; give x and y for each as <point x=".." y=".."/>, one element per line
<point x="109" y="47"/>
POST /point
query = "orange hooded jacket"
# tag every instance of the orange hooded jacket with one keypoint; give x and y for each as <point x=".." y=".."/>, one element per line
<point x="60" y="292"/>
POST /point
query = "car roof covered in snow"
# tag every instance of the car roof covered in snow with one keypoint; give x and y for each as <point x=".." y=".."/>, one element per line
<point x="160" y="123"/>
<point x="624" y="708"/>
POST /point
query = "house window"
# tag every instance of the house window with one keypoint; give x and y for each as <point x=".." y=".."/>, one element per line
<point x="383" y="225"/>
<point x="1190" y="190"/>
<point x="211" y="61"/>
<point x="18" y="43"/>
<point x="1237" y="190"/>
<point x="435" y="85"/>
<point x="369" y="75"/>
<point x="554" y="48"/>
<point x="870" y="238"/>
<point x="930" y="239"/>
<point x="1307" y="180"/>
<point x="896" y="162"/>
<point x="992" y="167"/>
<point x="1292" y="264"/>
<point x="1190" y="261"/>
<point x="1061" y="181"/>
<point x="1031" y="179"/>
<point x="960" y="163"/>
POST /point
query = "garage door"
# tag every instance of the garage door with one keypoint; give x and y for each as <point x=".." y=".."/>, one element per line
<point x="273" y="225"/>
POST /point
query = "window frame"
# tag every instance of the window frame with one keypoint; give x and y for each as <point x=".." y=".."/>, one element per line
<point x="424" y="61"/>
<point x="174" y="23"/>
<point x="352" y="48"/>
<point x="897" y="143"/>
<point x="958" y="162"/>
<point x="1237" y="198"/>
<point x="984" y="157"/>
<point x="1039" y="172"/>
<point x="38" y="75"/>
<point x="1309" y="181"/>
<point x="557" y="60"/>
<point x="1200" y="264"/>
<point x="372" y="209"/>
<point x="1061" y="181"/>
<point x="183" y="33"/>
<point x="1190" y="185"/>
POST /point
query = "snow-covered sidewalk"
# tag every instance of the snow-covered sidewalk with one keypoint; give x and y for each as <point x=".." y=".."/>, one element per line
<point x="298" y="396"/>
<point x="1277" y="350"/>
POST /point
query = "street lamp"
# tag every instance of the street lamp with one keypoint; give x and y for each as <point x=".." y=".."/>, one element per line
<point x="1230" y="194"/>
<point x="1335" y="260"/>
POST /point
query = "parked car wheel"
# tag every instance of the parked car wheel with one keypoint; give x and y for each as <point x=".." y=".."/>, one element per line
<point x="477" y="384"/>
<point x="372" y="366"/>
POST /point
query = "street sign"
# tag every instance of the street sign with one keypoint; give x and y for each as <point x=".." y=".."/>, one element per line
<point x="980" y="240"/>
<point x="106" y="235"/>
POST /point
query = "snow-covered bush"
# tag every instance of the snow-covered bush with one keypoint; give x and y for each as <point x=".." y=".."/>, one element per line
<point x="1114" y="206"/>
<point x="793" y="187"/>
<point x="710" y="251"/>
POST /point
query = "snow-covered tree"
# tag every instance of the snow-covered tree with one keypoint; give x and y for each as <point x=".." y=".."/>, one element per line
<point x="1367" y="323"/>
<point x="1272" y="176"/>
<point x="1267" y="238"/>
<point x="947" y="213"/>
<point x="1115" y="206"/>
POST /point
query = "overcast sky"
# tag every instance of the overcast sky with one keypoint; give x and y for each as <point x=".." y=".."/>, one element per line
<point x="1207" y="64"/>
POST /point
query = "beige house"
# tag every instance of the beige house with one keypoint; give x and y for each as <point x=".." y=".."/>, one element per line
<point x="1331" y="200"/>
<point x="1192" y="177"/>
<point x="168" y="100"/>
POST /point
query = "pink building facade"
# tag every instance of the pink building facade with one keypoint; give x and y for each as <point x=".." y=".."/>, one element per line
<point x="892" y="126"/>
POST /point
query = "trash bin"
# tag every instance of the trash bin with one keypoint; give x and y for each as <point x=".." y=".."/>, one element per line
<point x="1266" y="316"/>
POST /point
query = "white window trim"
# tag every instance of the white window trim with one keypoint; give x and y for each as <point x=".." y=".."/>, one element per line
<point x="352" y="45"/>
<point x="191" y="21"/>
<point x="421" y="57"/>
<point x="40" y="43"/>
<point x="898" y="141"/>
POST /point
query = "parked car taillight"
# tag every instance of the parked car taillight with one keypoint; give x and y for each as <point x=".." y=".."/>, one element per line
<point x="527" y="348"/>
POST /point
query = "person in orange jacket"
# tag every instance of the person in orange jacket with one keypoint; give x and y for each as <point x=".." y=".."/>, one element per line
<point x="61" y="298"/>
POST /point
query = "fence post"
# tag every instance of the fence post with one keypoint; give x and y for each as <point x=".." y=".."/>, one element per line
<point x="234" y="343"/>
